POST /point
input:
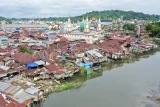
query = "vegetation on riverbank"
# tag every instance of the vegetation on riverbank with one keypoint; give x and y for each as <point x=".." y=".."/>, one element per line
<point x="154" y="28"/>
<point x="156" y="41"/>
<point x="79" y="80"/>
<point x="68" y="85"/>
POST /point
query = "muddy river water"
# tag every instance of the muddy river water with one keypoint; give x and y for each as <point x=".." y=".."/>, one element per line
<point x="121" y="84"/>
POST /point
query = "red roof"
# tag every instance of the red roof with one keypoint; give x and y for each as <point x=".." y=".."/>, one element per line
<point x="40" y="37"/>
<point x="118" y="38"/>
<point x="60" y="71"/>
<point x="51" y="67"/>
<point x="54" y="67"/>
<point x="36" y="47"/>
<point x="23" y="68"/>
<point x="110" y="46"/>
<point x="3" y="50"/>
<point x="53" y="55"/>
<point x="128" y="41"/>
<point x="2" y="101"/>
<point x="25" y="58"/>
<point x="2" y="71"/>
<point x="2" y="33"/>
<point x="14" y="103"/>
<point x="1" y="58"/>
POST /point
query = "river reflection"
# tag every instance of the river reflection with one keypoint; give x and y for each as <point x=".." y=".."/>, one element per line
<point x="109" y="66"/>
<point x="123" y="83"/>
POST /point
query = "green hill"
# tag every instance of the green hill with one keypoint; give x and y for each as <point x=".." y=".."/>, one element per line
<point x="4" y="19"/>
<point x="114" y="14"/>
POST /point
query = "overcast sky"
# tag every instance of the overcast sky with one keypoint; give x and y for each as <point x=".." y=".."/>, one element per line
<point x="58" y="8"/>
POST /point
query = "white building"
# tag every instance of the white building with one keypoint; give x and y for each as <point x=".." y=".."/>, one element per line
<point x="3" y="41"/>
<point x="89" y="35"/>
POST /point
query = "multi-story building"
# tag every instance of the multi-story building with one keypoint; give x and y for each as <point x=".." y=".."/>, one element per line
<point x="3" y="41"/>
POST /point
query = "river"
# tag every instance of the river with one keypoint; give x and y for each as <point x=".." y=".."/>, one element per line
<point x="120" y="84"/>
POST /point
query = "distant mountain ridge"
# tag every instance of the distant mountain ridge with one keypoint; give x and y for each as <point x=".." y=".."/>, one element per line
<point x="106" y="14"/>
<point x="4" y="19"/>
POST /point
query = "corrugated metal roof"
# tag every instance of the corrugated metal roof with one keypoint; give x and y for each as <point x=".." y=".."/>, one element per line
<point x="10" y="88"/>
<point x="4" y="86"/>
<point x="4" y="68"/>
<point x="32" y="90"/>
<point x="94" y="53"/>
<point x="21" y="96"/>
<point x="30" y="84"/>
<point x="15" y="90"/>
<point x="40" y="62"/>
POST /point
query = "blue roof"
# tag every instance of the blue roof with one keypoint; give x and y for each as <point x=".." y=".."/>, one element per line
<point x="44" y="28"/>
<point x="46" y="42"/>
<point x="81" y="64"/>
<point x="87" y="67"/>
<point x="86" y="64"/>
<point x="31" y="35"/>
<point x="18" y="28"/>
<point x="52" y="34"/>
<point x="31" y="64"/>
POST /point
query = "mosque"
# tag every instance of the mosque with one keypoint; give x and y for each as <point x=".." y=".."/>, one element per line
<point x="90" y="31"/>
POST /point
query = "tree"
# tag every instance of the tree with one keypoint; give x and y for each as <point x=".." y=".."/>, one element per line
<point x="154" y="28"/>
<point x="156" y="41"/>
<point x="24" y="49"/>
<point x="53" y="28"/>
<point x="130" y="27"/>
<point x="106" y="14"/>
<point x="83" y="70"/>
<point x="30" y="51"/>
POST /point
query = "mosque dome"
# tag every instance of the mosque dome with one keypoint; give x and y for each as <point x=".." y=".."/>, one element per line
<point x="93" y="19"/>
<point x="82" y="25"/>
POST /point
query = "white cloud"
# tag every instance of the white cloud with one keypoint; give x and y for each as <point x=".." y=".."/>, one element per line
<point x="55" y="8"/>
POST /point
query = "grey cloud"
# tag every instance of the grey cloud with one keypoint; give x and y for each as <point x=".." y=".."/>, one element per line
<point x="52" y="8"/>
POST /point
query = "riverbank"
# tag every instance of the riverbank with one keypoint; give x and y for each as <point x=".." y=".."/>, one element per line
<point x="51" y="85"/>
<point x="75" y="83"/>
<point x="124" y="83"/>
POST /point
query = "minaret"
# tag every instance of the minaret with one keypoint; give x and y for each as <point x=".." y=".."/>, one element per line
<point x="99" y="25"/>
<point x="138" y="30"/>
<point x="87" y="29"/>
<point x="83" y="19"/>
<point x="69" y="25"/>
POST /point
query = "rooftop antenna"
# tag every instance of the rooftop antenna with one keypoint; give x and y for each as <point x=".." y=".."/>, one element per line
<point x="69" y="14"/>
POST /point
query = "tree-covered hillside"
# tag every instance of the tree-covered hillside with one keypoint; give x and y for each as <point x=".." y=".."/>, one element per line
<point x="4" y="19"/>
<point x="114" y="14"/>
